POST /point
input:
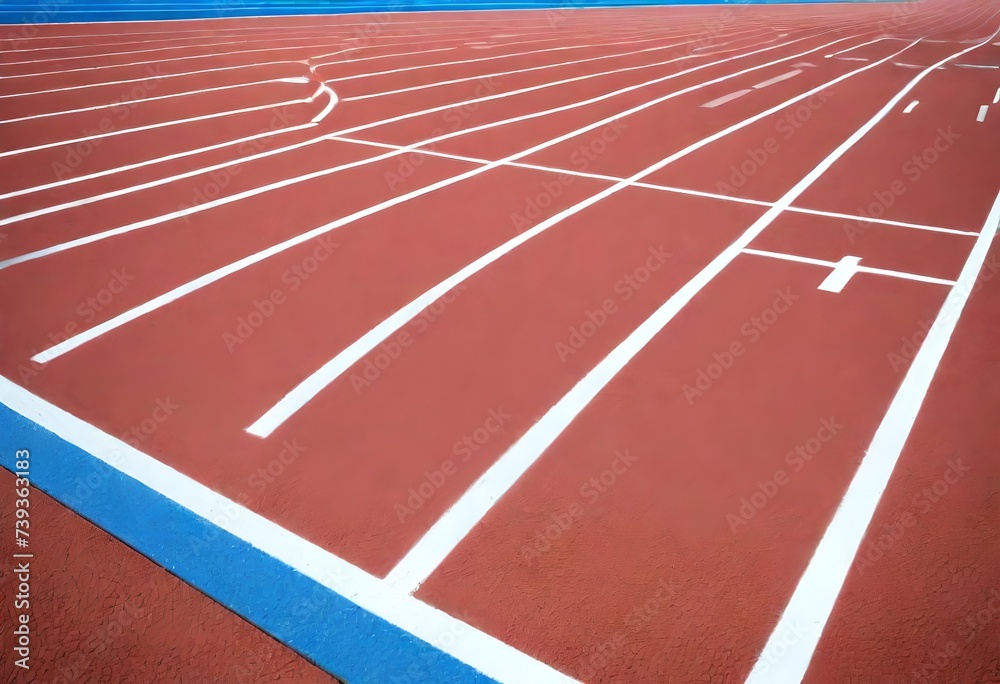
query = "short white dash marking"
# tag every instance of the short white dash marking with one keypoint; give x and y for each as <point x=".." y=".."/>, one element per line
<point x="725" y="98"/>
<point x="996" y="98"/>
<point x="978" y="66"/>
<point x="982" y="113"/>
<point x="778" y="79"/>
<point x="841" y="273"/>
<point x="910" y="107"/>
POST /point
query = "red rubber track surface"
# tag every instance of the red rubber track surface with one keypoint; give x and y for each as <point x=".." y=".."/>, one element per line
<point x="657" y="572"/>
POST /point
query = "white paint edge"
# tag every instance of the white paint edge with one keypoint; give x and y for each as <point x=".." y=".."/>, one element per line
<point x="477" y="649"/>
<point x="441" y="539"/>
<point x="818" y="588"/>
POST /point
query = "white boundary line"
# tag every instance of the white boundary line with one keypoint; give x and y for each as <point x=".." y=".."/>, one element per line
<point x="473" y="647"/>
<point x="308" y="388"/>
<point x="856" y="268"/>
<point x="441" y="539"/>
<point x="817" y="590"/>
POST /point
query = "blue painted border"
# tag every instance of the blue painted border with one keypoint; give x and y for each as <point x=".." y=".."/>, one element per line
<point x="63" y="11"/>
<point x="323" y="626"/>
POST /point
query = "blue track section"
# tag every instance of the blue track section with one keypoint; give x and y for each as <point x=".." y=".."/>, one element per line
<point x="57" y="11"/>
<point x="322" y="625"/>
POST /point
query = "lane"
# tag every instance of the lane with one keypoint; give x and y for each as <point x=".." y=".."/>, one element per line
<point x="669" y="563"/>
<point x="397" y="178"/>
<point x="921" y="600"/>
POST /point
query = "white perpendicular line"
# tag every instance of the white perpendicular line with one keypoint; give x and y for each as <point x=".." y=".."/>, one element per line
<point x="810" y="606"/>
<point x="442" y="538"/>
<point x="458" y="639"/>
<point x="301" y="394"/>
<point x="910" y="107"/>
<point x="814" y="597"/>
<point x="208" y="278"/>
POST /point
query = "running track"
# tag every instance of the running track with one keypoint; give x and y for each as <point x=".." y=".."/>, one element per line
<point x="525" y="346"/>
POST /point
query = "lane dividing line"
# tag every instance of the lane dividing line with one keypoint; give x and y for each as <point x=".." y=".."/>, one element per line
<point x="164" y="124"/>
<point x="812" y="602"/>
<point x="845" y="268"/>
<point x="308" y="388"/>
<point x="456" y="523"/>
<point x="446" y="107"/>
<point x="726" y="98"/>
<point x="430" y="625"/>
<point x="981" y="117"/>
<point x="221" y="201"/>
<point x="297" y="80"/>
<point x="910" y="107"/>
<point x="861" y="220"/>
<point x="778" y="79"/>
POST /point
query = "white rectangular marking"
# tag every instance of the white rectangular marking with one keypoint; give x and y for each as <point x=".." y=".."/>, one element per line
<point x="841" y="273"/>
<point x="982" y="113"/>
<point x="725" y="98"/>
<point x="817" y="590"/>
<point x="910" y="107"/>
<point x="778" y="79"/>
<point x="996" y="98"/>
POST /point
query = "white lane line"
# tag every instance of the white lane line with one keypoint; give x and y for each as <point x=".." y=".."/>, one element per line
<point x="818" y="588"/>
<point x="220" y="273"/>
<point x="153" y="75"/>
<point x="812" y="602"/>
<point x="910" y="107"/>
<point x="466" y="643"/>
<point x="441" y="539"/>
<point x="517" y="71"/>
<point x="778" y="79"/>
<point x="299" y="80"/>
<point x="304" y="392"/>
<point x="862" y="220"/>
<point x="164" y="124"/>
<point x="982" y="113"/>
<point x="845" y="268"/>
<point x="725" y="98"/>
<point x="286" y="182"/>
<point x="506" y="73"/>
<point x="156" y="61"/>
<point x="850" y="49"/>
<point x="978" y="66"/>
